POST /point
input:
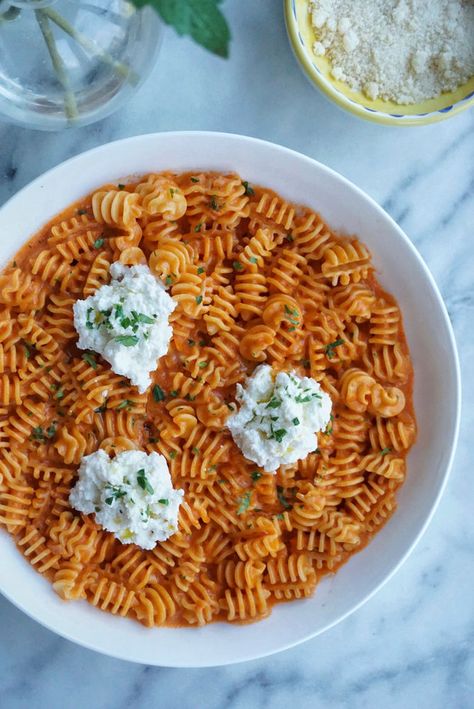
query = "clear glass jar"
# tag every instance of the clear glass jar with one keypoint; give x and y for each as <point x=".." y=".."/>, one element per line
<point x="66" y="63"/>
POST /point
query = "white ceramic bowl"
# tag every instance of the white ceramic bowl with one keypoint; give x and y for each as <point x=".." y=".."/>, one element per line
<point x="437" y="395"/>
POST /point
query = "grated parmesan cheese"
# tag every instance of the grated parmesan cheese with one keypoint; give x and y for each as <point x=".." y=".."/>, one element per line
<point x="404" y="51"/>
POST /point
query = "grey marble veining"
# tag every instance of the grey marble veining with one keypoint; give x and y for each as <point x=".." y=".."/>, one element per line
<point x="412" y="644"/>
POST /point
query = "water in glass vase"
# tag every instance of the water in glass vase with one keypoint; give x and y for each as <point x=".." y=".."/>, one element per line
<point x="66" y="63"/>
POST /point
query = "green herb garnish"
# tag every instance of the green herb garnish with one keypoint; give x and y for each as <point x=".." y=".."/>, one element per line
<point x="244" y="502"/>
<point x="214" y="204"/>
<point x="124" y="404"/>
<point x="331" y="347"/>
<point x="127" y="340"/>
<point x="256" y="475"/>
<point x="197" y="228"/>
<point x="164" y="501"/>
<point x="279" y="434"/>
<point x="274" y="403"/>
<point x="199" y="299"/>
<point x="195" y="450"/>
<point x="237" y="266"/>
<point x="249" y="191"/>
<point x="296" y="422"/>
<point x="203" y="364"/>
<point x="98" y="243"/>
<point x="173" y="455"/>
<point x="89" y="358"/>
<point x="282" y="499"/>
<point x="200" y="270"/>
<point x="253" y="259"/>
<point x="384" y="451"/>
<point x="158" y="393"/>
<point x="142" y="480"/>
<point x="194" y="179"/>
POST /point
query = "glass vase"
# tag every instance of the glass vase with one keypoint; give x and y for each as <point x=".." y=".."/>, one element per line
<point x="66" y="63"/>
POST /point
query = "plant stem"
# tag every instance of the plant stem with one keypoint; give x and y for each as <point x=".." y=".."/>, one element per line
<point x="70" y="106"/>
<point x="90" y="46"/>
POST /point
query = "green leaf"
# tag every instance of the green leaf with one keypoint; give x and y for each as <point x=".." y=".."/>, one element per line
<point x="127" y="340"/>
<point x="158" y="393"/>
<point x="201" y="19"/>
<point x="142" y="480"/>
<point x="89" y="358"/>
<point x="244" y="502"/>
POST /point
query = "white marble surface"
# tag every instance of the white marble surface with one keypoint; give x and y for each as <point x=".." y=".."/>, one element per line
<point x="411" y="645"/>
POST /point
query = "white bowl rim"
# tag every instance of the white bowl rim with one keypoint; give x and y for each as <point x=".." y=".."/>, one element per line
<point x="14" y="203"/>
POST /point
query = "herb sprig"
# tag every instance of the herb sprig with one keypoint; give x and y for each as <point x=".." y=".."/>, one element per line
<point x="200" y="19"/>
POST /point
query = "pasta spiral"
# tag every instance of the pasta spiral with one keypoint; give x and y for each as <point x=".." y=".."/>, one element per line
<point x="255" y="279"/>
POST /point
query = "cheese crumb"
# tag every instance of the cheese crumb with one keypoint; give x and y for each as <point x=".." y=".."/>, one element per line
<point x="126" y="322"/>
<point x="279" y="417"/>
<point x="399" y="50"/>
<point x="131" y="495"/>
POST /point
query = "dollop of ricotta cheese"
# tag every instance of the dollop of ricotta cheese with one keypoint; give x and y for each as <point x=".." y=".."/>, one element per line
<point x="131" y="495"/>
<point x="280" y="414"/>
<point x="126" y="321"/>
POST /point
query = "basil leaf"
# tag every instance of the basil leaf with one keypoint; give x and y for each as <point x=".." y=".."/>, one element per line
<point x="201" y="19"/>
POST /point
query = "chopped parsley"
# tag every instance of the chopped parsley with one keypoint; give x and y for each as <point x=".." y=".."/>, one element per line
<point x="296" y="422"/>
<point x="279" y="434"/>
<point x="253" y="259"/>
<point x="200" y="270"/>
<point x="89" y="358"/>
<point x="384" y="451"/>
<point x="164" y="501"/>
<point x="293" y="316"/>
<point x="282" y="499"/>
<point x="98" y="243"/>
<point x="197" y="228"/>
<point x="142" y="480"/>
<point x="173" y="455"/>
<point x="195" y="450"/>
<point x="158" y="393"/>
<point x="38" y="434"/>
<point x="332" y="346"/>
<point x="173" y="393"/>
<point x="249" y="191"/>
<point x="256" y="475"/>
<point x="274" y="403"/>
<point x="127" y="340"/>
<point x="244" y="502"/>
<point x="168" y="281"/>
<point x="199" y="299"/>
<point x="28" y="349"/>
<point x="116" y="493"/>
<point x="59" y="394"/>
<point x="203" y="364"/>
<point x="214" y="204"/>
<point x="124" y="404"/>
<point x="194" y="179"/>
<point x="237" y="266"/>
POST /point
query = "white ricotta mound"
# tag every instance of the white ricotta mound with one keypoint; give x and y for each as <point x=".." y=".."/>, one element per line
<point x="126" y="322"/>
<point x="131" y="495"/>
<point x="279" y="417"/>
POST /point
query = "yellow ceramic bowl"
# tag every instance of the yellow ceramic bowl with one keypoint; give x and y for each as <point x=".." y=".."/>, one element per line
<point x="301" y="34"/>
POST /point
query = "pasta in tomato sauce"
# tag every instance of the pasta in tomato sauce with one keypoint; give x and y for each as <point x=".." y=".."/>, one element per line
<point x="234" y="257"/>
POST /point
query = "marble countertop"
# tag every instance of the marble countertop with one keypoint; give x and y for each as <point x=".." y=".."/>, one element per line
<point x="412" y="645"/>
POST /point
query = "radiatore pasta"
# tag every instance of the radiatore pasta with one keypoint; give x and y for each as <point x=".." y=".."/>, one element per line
<point x="237" y="260"/>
